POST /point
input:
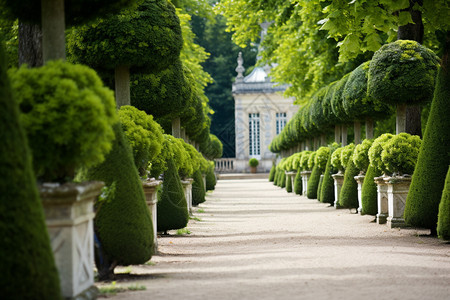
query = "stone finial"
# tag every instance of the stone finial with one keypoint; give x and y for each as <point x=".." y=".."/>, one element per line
<point x="240" y="68"/>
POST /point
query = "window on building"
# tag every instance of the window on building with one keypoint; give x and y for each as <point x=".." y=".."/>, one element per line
<point x="253" y="125"/>
<point x="281" y="121"/>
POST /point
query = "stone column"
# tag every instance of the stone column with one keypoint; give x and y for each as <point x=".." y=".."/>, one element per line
<point x="359" y="179"/>
<point x="176" y="127"/>
<point x="69" y="215"/>
<point x="187" y="187"/>
<point x="344" y="135"/>
<point x="357" y="130"/>
<point x="337" y="133"/>
<point x="150" y="186"/>
<point x="204" y="181"/>
<point x="305" y="178"/>
<point x="400" y="124"/>
<point x="382" y="199"/>
<point x="338" y="181"/>
<point x="369" y="129"/>
<point x="397" y="191"/>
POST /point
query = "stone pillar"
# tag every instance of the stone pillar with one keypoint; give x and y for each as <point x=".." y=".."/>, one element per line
<point x="337" y="133"/>
<point x="187" y="187"/>
<point x="397" y="191"/>
<point x="382" y="199"/>
<point x="359" y="179"/>
<point x="344" y="135"/>
<point x="150" y="186"/>
<point x="400" y="124"/>
<point x="204" y="181"/>
<point x="69" y="215"/>
<point x="323" y="140"/>
<point x="338" y="181"/>
<point x="176" y="127"/>
<point x="357" y="130"/>
<point x="305" y="178"/>
<point x="183" y="135"/>
<point x="369" y="129"/>
<point x="291" y="177"/>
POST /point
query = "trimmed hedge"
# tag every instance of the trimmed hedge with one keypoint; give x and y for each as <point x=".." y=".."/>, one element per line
<point x="272" y="173"/>
<point x="288" y="184"/>
<point x="327" y="189"/>
<point x="198" y="189"/>
<point x="298" y="186"/>
<point x="26" y="257"/>
<point x="348" y="197"/>
<point x="123" y="222"/>
<point x="276" y="176"/>
<point x="210" y="179"/>
<point x="369" y="192"/>
<point x="319" y="187"/>
<point x="443" y="228"/>
<point x="422" y="203"/>
<point x="282" y="179"/>
<point x="400" y="153"/>
<point x="172" y="206"/>
<point x="313" y="183"/>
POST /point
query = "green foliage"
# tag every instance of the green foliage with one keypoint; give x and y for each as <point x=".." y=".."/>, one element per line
<point x="210" y="178"/>
<point x="123" y="223"/>
<point x="311" y="160"/>
<point x="272" y="173"/>
<point x="313" y="183"/>
<point x="422" y="203"/>
<point x="348" y="197"/>
<point x="402" y="72"/>
<point x="198" y="189"/>
<point x="67" y="114"/>
<point x="253" y="162"/>
<point x="361" y="155"/>
<point x="213" y="148"/>
<point x="400" y="153"/>
<point x="282" y="182"/>
<point x="319" y="188"/>
<point x="172" y="207"/>
<point x="277" y="175"/>
<point x="443" y="228"/>
<point x="336" y="159"/>
<point x="26" y="255"/>
<point x="327" y="189"/>
<point x="143" y="135"/>
<point x="298" y="186"/>
<point x="296" y="161"/>
<point x="147" y="38"/>
<point x="288" y="184"/>
<point x="347" y="153"/>
<point x="321" y="158"/>
<point x="375" y="152"/>
<point x="337" y="103"/>
<point x="369" y="192"/>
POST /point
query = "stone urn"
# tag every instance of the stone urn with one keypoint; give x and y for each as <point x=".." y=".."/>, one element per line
<point x="360" y="180"/>
<point x="338" y="182"/>
<point x="69" y="215"/>
<point x="291" y="177"/>
<point x="397" y="191"/>
<point x="252" y="170"/>
<point x="187" y="187"/>
<point x="305" y="177"/>
<point x="150" y="186"/>
<point x="382" y="199"/>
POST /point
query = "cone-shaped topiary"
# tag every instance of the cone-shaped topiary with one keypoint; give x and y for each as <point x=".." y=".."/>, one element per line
<point x="313" y="183"/>
<point x="422" y="203"/>
<point x="198" y="189"/>
<point x="327" y="189"/>
<point x="443" y="228"/>
<point x="26" y="256"/>
<point x="282" y="179"/>
<point x="298" y="186"/>
<point x="319" y="187"/>
<point x="369" y="192"/>
<point x="123" y="222"/>
<point x="288" y="184"/>
<point x="272" y="174"/>
<point x="210" y="179"/>
<point x="348" y="197"/>
<point x="276" y="176"/>
<point x="172" y="207"/>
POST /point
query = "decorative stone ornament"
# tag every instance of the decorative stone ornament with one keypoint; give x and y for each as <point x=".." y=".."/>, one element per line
<point x="397" y="191"/>
<point x="187" y="187"/>
<point x="360" y="180"/>
<point x="338" y="182"/>
<point x="69" y="215"/>
<point x="305" y="177"/>
<point x="382" y="199"/>
<point x="240" y="68"/>
<point x="150" y="191"/>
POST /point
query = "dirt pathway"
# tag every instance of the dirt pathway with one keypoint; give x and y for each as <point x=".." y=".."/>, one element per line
<point x="255" y="241"/>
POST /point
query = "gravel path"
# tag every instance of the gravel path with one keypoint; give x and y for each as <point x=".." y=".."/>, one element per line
<point x="256" y="241"/>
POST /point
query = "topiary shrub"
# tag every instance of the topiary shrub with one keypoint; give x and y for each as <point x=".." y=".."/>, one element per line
<point x="327" y="186"/>
<point x="198" y="188"/>
<point x="319" y="187"/>
<point x="123" y="221"/>
<point x="313" y="182"/>
<point x="320" y="161"/>
<point x="288" y="184"/>
<point x="375" y="152"/>
<point x="277" y="175"/>
<point x="369" y="192"/>
<point x="347" y="154"/>
<point x="282" y="179"/>
<point x="422" y="203"/>
<point x="67" y="114"/>
<point x="272" y="173"/>
<point x="348" y="197"/>
<point x="443" y="227"/>
<point x="26" y="256"/>
<point x="361" y="156"/>
<point x="253" y="162"/>
<point x="303" y="165"/>
<point x="298" y="186"/>
<point x="336" y="159"/>
<point x="210" y="178"/>
<point x="172" y="206"/>
<point x="400" y="153"/>
<point x="311" y="160"/>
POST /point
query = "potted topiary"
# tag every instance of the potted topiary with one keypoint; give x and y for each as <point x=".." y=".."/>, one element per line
<point x="339" y="176"/>
<point x="399" y="156"/>
<point x="306" y="173"/>
<point x="68" y="115"/>
<point x="253" y="163"/>
<point x="320" y="162"/>
<point x="298" y="188"/>
<point x="361" y="161"/>
<point x="348" y="196"/>
<point x="327" y="188"/>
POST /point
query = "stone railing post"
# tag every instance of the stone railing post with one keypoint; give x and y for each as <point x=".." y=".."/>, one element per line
<point x="359" y="179"/>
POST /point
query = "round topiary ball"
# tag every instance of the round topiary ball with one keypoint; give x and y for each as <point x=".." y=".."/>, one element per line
<point x="361" y="155"/>
<point x="253" y="162"/>
<point x="375" y="152"/>
<point x="336" y="159"/>
<point x="346" y="154"/>
<point x="321" y="158"/>
<point x="402" y="72"/>
<point x="304" y="160"/>
<point x="400" y="153"/>
<point x="67" y="114"/>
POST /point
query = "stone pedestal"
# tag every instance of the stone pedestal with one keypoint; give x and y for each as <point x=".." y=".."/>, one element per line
<point x="382" y="199"/>
<point x="397" y="191"/>
<point x="150" y="186"/>
<point x="291" y="176"/>
<point x="204" y="181"/>
<point x="338" y="182"/>
<point x="305" y="178"/>
<point x="360" y="180"/>
<point x="187" y="187"/>
<point x="69" y="215"/>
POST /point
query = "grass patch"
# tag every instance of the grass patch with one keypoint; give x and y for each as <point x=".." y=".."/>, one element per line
<point x="195" y="218"/>
<point x="136" y="287"/>
<point x="200" y="210"/>
<point x="150" y="263"/>
<point x="114" y="288"/>
<point x="183" y="231"/>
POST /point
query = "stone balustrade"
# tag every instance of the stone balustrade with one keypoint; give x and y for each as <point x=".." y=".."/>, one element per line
<point x="225" y="165"/>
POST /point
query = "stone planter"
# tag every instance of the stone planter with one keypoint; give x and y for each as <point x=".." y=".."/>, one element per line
<point x="150" y="186"/>
<point x="291" y="177"/>
<point x="359" y="179"/>
<point x="252" y="170"/>
<point x="305" y="178"/>
<point x="187" y="187"/>
<point x="338" y="182"/>
<point x="382" y="199"/>
<point x="397" y="191"/>
<point x="69" y="215"/>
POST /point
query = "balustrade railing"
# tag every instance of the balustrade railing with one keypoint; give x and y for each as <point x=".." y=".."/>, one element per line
<point x="225" y="165"/>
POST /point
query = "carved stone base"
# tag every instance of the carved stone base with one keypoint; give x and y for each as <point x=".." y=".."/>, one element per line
<point x="305" y="177"/>
<point x="338" y="182"/>
<point x="397" y="191"/>
<point x="187" y="187"/>
<point x="360" y="179"/>
<point x="150" y="186"/>
<point x="291" y="176"/>
<point x="69" y="214"/>
<point x="382" y="199"/>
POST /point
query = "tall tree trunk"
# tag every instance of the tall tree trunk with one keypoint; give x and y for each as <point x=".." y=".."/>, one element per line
<point x="53" y="28"/>
<point x="369" y="128"/>
<point x="176" y="127"/>
<point x="344" y="135"/>
<point x="413" y="31"/>
<point x="30" y="45"/>
<point x="357" y="130"/>
<point x="337" y="133"/>
<point x="400" y="124"/>
<point x="122" y="85"/>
